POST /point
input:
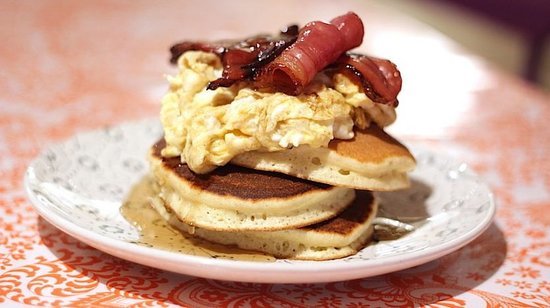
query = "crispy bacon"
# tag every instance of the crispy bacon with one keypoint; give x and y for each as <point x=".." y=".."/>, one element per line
<point x="380" y="78"/>
<point x="241" y="59"/>
<point x="318" y="45"/>
<point x="288" y="62"/>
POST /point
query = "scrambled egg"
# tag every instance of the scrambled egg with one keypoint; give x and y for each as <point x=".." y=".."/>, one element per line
<point x="209" y="127"/>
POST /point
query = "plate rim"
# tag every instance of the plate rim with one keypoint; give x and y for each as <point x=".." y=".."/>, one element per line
<point x="276" y="272"/>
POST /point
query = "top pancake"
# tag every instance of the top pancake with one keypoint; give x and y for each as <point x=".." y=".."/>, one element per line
<point x="372" y="160"/>
<point x="370" y="145"/>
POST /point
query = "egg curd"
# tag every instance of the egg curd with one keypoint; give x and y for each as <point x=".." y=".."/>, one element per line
<point x="207" y="128"/>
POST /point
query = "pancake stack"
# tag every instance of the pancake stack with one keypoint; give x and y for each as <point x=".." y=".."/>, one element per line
<point x="302" y="203"/>
<point x="265" y="124"/>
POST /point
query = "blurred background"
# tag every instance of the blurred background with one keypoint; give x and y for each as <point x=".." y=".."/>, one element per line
<point x="511" y="34"/>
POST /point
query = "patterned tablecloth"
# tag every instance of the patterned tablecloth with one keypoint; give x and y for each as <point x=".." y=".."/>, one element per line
<point x="70" y="66"/>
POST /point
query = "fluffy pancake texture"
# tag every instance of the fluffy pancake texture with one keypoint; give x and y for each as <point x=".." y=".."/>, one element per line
<point x="337" y="237"/>
<point x="371" y="160"/>
<point x="233" y="198"/>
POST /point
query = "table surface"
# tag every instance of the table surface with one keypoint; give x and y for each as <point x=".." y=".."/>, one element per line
<point x="71" y="66"/>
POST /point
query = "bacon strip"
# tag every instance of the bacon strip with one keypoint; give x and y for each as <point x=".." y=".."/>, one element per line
<point x="318" y="45"/>
<point x="288" y="62"/>
<point x="241" y="59"/>
<point x="380" y="78"/>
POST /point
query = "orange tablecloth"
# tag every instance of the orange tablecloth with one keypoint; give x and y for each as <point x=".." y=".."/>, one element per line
<point x="69" y="66"/>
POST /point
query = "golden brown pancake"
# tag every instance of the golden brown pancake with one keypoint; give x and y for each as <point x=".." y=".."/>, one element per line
<point x="370" y="145"/>
<point x="372" y="160"/>
<point x="233" y="198"/>
<point x="338" y="237"/>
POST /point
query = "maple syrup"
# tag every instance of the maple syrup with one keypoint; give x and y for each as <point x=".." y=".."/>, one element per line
<point x="157" y="233"/>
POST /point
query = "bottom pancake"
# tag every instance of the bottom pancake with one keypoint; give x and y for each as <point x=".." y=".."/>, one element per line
<point x="338" y="237"/>
<point x="233" y="198"/>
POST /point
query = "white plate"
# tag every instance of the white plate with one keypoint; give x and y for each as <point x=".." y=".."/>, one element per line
<point x="78" y="186"/>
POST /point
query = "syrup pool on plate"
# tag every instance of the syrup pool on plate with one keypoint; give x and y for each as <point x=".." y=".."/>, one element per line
<point x="156" y="232"/>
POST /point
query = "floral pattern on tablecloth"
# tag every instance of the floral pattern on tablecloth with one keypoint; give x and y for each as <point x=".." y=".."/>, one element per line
<point x="45" y="97"/>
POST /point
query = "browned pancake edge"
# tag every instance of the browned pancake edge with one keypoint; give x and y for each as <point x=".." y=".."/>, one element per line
<point x="240" y="182"/>
<point x="350" y="219"/>
<point x="370" y="145"/>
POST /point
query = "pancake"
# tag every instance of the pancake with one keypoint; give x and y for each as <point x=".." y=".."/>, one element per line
<point x="372" y="160"/>
<point x="233" y="198"/>
<point x="338" y="237"/>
